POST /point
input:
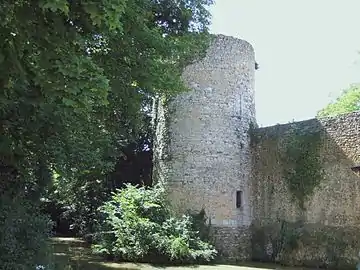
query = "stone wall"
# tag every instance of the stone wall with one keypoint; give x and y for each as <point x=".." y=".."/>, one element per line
<point x="299" y="194"/>
<point x="324" y="230"/>
<point x="202" y="145"/>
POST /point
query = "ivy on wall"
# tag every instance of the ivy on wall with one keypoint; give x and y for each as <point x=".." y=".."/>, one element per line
<point x="302" y="165"/>
<point x="164" y="101"/>
<point x="254" y="138"/>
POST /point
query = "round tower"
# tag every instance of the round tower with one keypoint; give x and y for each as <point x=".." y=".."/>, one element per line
<point x="202" y="144"/>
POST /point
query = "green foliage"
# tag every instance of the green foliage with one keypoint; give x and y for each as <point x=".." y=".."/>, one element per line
<point x="76" y="78"/>
<point x="254" y="139"/>
<point x="302" y="164"/>
<point x="199" y="224"/>
<point x="23" y="235"/>
<point x="139" y="227"/>
<point x="348" y="101"/>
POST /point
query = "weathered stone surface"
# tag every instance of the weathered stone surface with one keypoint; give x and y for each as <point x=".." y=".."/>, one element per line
<point x="207" y="149"/>
<point x="233" y="243"/>
<point x="202" y="147"/>
<point x="334" y="205"/>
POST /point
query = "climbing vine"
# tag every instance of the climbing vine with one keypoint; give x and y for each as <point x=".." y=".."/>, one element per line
<point x="164" y="101"/>
<point x="254" y="138"/>
<point x="303" y="171"/>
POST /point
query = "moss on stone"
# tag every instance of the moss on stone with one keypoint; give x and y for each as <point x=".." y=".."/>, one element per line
<point x="165" y="102"/>
<point x="303" y="171"/>
<point x="254" y="137"/>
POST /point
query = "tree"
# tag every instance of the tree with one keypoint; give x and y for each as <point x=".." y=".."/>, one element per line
<point x="348" y="101"/>
<point x="75" y="77"/>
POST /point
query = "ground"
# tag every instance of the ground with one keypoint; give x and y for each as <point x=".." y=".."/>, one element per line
<point x="73" y="254"/>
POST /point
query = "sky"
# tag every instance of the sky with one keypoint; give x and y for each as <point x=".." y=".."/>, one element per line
<point x="307" y="50"/>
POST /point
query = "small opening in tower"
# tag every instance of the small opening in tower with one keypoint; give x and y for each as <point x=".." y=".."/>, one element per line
<point x="356" y="169"/>
<point x="238" y="199"/>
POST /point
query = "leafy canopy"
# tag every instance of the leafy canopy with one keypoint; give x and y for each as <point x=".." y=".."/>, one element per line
<point x="75" y="77"/>
<point x="348" y="101"/>
<point x="75" y="82"/>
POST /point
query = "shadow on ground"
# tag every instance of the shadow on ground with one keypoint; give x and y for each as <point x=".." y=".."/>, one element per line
<point x="75" y="254"/>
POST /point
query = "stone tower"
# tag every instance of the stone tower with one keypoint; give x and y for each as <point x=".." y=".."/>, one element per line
<point x="202" y="144"/>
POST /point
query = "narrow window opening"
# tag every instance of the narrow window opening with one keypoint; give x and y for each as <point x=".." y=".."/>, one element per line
<point x="238" y="199"/>
<point x="356" y="169"/>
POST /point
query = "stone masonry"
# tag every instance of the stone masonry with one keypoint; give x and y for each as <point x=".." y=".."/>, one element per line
<point x="202" y="149"/>
<point x="331" y="217"/>
<point x="209" y="155"/>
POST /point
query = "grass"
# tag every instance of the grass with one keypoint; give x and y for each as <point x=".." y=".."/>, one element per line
<point x="74" y="254"/>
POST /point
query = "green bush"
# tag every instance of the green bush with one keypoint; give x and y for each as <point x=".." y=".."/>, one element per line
<point x="24" y="235"/>
<point x="199" y="223"/>
<point x="138" y="226"/>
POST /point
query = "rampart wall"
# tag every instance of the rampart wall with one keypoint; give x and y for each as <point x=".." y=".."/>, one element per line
<point x="302" y="179"/>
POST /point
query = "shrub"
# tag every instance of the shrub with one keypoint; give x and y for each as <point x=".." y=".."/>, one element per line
<point x="138" y="226"/>
<point x="24" y="235"/>
<point x="199" y="223"/>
